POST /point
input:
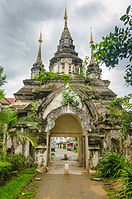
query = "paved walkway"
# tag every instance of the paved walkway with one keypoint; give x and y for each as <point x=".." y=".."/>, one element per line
<point x="56" y="185"/>
<point x="58" y="164"/>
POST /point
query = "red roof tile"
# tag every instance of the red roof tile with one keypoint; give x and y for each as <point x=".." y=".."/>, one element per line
<point x="11" y="100"/>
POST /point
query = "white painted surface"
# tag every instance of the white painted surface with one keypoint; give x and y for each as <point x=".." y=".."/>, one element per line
<point x="95" y="159"/>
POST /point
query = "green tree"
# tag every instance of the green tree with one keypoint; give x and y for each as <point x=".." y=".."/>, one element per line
<point x="2" y="81"/>
<point x="116" y="46"/>
<point x="120" y="113"/>
<point x="8" y="121"/>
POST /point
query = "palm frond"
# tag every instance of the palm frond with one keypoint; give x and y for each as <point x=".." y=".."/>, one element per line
<point x="8" y="116"/>
<point x="33" y="124"/>
<point x="26" y="136"/>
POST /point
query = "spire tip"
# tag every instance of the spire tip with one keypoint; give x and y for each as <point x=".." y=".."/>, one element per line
<point x="40" y="38"/>
<point x="65" y="16"/>
<point x="91" y="38"/>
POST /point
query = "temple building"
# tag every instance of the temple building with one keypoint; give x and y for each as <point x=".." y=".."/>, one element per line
<point x="84" y="117"/>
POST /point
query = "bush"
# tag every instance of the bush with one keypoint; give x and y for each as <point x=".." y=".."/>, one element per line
<point x="64" y="145"/>
<point x="127" y="178"/>
<point x="5" y="168"/>
<point x="18" y="161"/>
<point x="75" y="150"/>
<point x="53" y="154"/>
<point x="112" y="164"/>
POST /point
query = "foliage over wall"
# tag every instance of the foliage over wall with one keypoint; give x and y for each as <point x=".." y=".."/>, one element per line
<point x="45" y="77"/>
<point x="71" y="97"/>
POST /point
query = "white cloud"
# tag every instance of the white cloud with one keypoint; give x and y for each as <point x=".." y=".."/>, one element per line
<point x="13" y="85"/>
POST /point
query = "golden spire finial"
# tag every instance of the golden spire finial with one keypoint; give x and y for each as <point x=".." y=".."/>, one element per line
<point x="40" y="38"/>
<point x="65" y="18"/>
<point x="91" y="38"/>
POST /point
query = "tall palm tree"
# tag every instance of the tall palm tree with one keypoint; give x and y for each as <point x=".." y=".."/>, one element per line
<point x="9" y="120"/>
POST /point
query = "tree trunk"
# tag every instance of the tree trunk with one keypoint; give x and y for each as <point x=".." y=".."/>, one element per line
<point x="12" y="146"/>
<point x="5" y="146"/>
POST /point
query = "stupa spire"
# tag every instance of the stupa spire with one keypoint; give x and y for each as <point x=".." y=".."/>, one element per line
<point x="93" y="68"/>
<point x="91" y="42"/>
<point x="40" y="37"/>
<point x="39" y="51"/>
<point x="36" y="69"/>
<point x="92" y="61"/>
<point x="65" y="18"/>
<point x="91" y="38"/>
<point x="65" y="60"/>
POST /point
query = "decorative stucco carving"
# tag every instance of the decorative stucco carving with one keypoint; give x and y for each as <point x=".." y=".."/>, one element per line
<point x="87" y="124"/>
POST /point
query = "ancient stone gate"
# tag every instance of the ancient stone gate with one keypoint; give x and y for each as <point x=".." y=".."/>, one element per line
<point x="88" y="120"/>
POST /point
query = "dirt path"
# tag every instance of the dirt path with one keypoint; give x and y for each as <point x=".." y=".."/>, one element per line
<point x="76" y="185"/>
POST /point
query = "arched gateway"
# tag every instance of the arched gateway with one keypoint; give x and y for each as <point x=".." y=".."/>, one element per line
<point x="66" y="121"/>
<point x="77" y="109"/>
<point x="69" y="125"/>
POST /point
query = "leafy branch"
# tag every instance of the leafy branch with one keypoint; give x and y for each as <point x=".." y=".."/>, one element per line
<point x="116" y="46"/>
<point x="2" y="81"/>
<point x="120" y="113"/>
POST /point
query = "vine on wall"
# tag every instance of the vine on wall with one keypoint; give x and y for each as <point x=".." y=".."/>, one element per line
<point x="49" y="76"/>
<point x="70" y="97"/>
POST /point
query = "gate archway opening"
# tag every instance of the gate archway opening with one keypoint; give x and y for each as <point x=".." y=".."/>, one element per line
<point x="68" y="125"/>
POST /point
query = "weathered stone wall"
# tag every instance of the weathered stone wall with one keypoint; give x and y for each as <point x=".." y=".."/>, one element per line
<point x="91" y="115"/>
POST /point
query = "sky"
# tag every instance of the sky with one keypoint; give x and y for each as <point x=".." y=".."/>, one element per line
<point x="20" y="24"/>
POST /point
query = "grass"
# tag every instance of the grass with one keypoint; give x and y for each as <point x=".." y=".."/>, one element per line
<point x="12" y="188"/>
<point x="31" y="170"/>
<point x="26" y="194"/>
<point x="28" y="191"/>
<point x="111" y="194"/>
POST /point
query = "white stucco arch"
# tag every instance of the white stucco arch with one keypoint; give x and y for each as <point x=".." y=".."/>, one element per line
<point x="67" y="125"/>
<point x="87" y="123"/>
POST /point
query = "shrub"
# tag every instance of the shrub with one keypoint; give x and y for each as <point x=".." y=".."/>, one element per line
<point x="112" y="164"/>
<point x="5" y="168"/>
<point x="64" y="145"/>
<point x="18" y="161"/>
<point x="127" y="178"/>
<point x="75" y="150"/>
